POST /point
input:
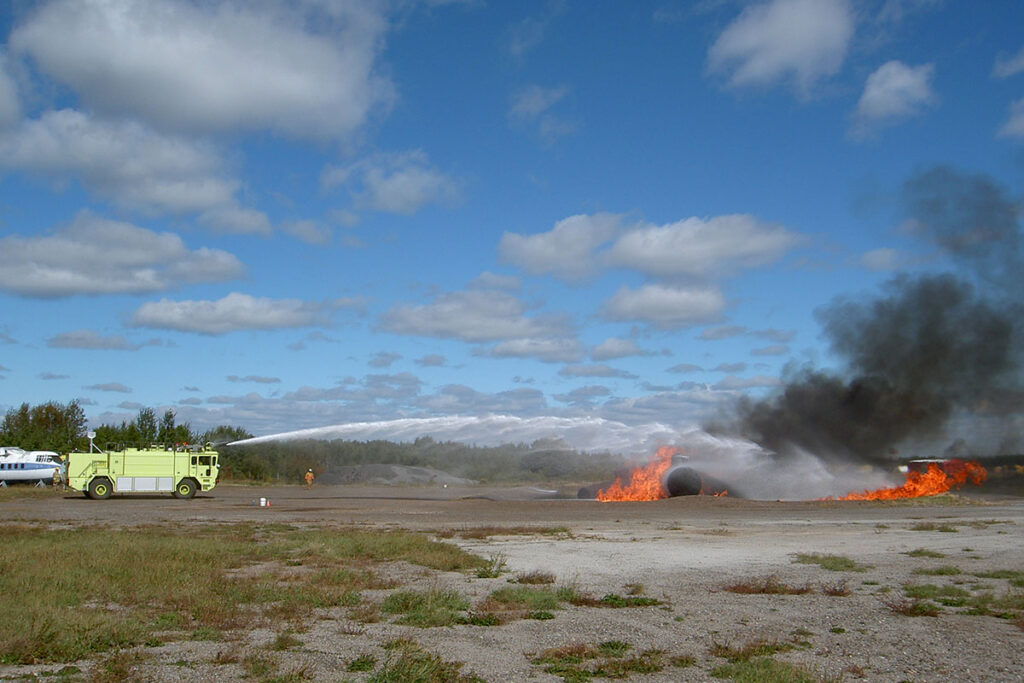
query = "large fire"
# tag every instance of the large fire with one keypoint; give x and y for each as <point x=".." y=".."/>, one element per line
<point x="645" y="483"/>
<point x="937" y="479"/>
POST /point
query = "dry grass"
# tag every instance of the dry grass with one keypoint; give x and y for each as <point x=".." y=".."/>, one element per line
<point x="115" y="588"/>
<point x="769" y="585"/>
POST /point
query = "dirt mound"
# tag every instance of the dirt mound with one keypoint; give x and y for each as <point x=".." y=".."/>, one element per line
<point x="389" y="474"/>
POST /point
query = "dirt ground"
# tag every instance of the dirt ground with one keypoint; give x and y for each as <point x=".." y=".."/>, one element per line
<point x="681" y="551"/>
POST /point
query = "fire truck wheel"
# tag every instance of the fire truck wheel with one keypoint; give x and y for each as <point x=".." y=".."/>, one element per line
<point x="185" y="489"/>
<point x="100" y="489"/>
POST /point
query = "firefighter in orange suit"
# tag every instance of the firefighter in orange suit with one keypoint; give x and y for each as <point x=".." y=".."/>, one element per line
<point x="309" y="479"/>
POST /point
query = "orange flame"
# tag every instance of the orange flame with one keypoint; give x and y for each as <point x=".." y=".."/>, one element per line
<point x="938" y="479"/>
<point x="644" y="482"/>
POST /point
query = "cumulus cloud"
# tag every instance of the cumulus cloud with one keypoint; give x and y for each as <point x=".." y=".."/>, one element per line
<point x="531" y="106"/>
<point x="801" y="40"/>
<point x="614" y="347"/>
<point x="721" y="332"/>
<point x="732" y="383"/>
<point x="232" y="313"/>
<point x="696" y="248"/>
<point x="88" y="339"/>
<point x="528" y="33"/>
<point x="548" y="350"/>
<point x="258" y="379"/>
<point x="594" y="370"/>
<point x="472" y="316"/>
<point x="93" y="255"/>
<point x="130" y="164"/>
<point x="401" y="183"/>
<point x="893" y="93"/>
<point x="384" y="359"/>
<point x="566" y="251"/>
<point x="10" y="107"/>
<point x="773" y="350"/>
<point x="110" y="386"/>
<point x="665" y="307"/>
<point x="1009" y="66"/>
<point x="1014" y="126"/>
<point x="217" y="66"/>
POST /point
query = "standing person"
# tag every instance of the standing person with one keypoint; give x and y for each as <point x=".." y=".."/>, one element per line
<point x="309" y="479"/>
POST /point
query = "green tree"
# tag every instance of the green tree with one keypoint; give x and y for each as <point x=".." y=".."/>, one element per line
<point x="146" y="425"/>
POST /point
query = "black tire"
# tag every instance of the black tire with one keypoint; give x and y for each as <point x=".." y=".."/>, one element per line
<point x="185" y="489"/>
<point x="100" y="489"/>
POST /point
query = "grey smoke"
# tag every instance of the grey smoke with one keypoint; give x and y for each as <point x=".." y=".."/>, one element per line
<point x="929" y="348"/>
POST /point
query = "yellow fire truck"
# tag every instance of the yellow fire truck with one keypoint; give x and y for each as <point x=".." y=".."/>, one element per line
<point x="180" y="469"/>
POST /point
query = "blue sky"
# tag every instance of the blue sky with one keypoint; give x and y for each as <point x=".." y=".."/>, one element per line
<point x="285" y="215"/>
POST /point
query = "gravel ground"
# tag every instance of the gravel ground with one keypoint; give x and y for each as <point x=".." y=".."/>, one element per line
<point x="682" y="551"/>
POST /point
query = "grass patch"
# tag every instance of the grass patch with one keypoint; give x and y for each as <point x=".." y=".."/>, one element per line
<point x="362" y="663"/>
<point x="410" y="665"/>
<point x="610" y="659"/>
<point x="764" y="670"/>
<point x="535" y="577"/>
<point x="493" y="568"/>
<point x="526" y="598"/>
<point x="769" y="585"/>
<point x="833" y="563"/>
<point x="946" y="570"/>
<point x="113" y="589"/>
<point x="924" y="552"/>
<point x="932" y="526"/>
<point x="425" y="609"/>
<point x="482" y="532"/>
<point x="748" y="651"/>
<point x="911" y="607"/>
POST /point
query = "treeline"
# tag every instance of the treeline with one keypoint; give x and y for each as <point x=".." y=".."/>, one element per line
<point x="61" y="427"/>
<point x="52" y="426"/>
<point x="146" y="429"/>
<point x="537" y="462"/>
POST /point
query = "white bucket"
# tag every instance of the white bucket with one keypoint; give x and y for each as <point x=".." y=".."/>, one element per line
<point x="263" y="502"/>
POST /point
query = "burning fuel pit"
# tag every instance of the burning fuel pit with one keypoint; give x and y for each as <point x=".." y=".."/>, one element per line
<point x="668" y="475"/>
<point x="686" y="481"/>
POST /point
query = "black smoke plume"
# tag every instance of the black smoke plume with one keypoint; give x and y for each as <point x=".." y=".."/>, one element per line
<point x="930" y="347"/>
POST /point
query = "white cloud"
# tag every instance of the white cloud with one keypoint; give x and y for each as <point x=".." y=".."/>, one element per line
<point x="732" y="383"/>
<point x="1014" y="126"/>
<point x="110" y="386"/>
<point x="893" y="93"/>
<point x="884" y="258"/>
<point x="88" y="339"/>
<point x="130" y="164"/>
<point x="1009" y="66"/>
<point x="216" y="66"/>
<point x="489" y="280"/>
<point x="549" y="350"/>
<point x="566" y="251"/>
<point x="722" y="332"/>
<point x="614" y="347"/>
<point x="773" y="350"/>
<point x="473" y="316"/>
<point x="805" y="40"/>
<point x="595" y="370"/>
<point x="234" y="312"/>
<point x="666" y="307"/>
<point x="528" y="33"/>
<point x="10" y="107"/>
<point x="531" y="101"/>
<point x="531" y="106"/>
<point x="308" y="231"/>
<point x="699" y="249"/>
<point x="400" y="183"/>
<point x="93" y="255"/>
